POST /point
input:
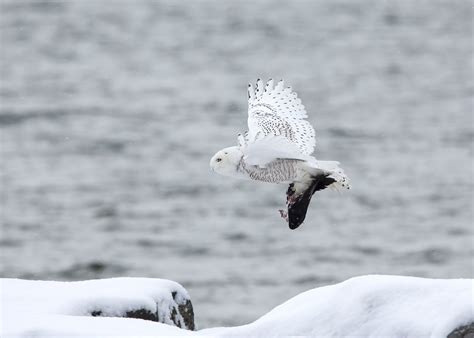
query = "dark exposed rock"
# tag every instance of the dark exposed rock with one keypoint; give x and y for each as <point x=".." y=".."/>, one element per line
<point x="466" y="331"/>
<point x="138" y="314"/>
<point x="186" y="311"/>
<point x="181" y="314"/>
<point x="142" y="314"/>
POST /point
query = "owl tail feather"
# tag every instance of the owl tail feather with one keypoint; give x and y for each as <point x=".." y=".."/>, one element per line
<point x="341" y="180"/>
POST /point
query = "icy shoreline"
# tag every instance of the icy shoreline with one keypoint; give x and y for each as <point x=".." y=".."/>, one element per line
<point x="375" y="306"/>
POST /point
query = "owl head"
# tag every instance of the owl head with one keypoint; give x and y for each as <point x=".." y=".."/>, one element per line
<point x="226" y="161"/>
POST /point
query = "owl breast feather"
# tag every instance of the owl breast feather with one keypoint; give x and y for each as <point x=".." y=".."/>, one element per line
<point x="277" y="171"/>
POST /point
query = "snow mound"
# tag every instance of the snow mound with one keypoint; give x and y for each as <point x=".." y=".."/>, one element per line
<point x="75" y="326"/>
<point x="27" y="302"/>
<point x="368" y="306"/>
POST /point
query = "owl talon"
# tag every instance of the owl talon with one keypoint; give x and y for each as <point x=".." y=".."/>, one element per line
<point x="284" y="214"/>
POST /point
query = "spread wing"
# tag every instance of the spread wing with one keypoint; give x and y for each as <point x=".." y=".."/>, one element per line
<point x="278" y="111"/>
<point x="277" y="125"/>
<point x="270" y="148"/>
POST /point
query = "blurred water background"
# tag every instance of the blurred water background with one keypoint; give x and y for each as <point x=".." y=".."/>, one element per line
<point x="111" y="110"/>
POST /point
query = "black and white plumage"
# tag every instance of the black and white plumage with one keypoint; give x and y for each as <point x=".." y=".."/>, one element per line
<point x="277" y="148"/>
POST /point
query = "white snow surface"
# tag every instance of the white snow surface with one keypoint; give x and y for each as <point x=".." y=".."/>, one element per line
<point x="76" y="326"/>
<point x="369" y="306"/>
<point x="55" y="308"/>
<point x="113" y="296"/>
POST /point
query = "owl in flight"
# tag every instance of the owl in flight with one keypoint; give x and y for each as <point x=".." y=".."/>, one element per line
<point x="277" y="148"/>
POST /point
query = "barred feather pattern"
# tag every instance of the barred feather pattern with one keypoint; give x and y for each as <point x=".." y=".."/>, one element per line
<point x="277" y="171"/>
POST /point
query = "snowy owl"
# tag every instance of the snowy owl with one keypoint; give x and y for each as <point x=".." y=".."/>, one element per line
<point x="277" y="148"/>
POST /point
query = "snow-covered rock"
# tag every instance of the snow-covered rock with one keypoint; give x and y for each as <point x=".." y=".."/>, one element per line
<point x="153" y="299"/>
<point x="368" y="306"/>
<point x="465" y="331"/>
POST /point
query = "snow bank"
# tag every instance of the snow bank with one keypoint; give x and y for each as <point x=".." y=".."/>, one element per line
<point x="369" y="306"/>
<point x="70" y="326"/>
<point x="25" y="303"/>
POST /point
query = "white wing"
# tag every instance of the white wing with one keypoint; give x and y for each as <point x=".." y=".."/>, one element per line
<point x="269" y="148"/>
<point x="277" y="111"/>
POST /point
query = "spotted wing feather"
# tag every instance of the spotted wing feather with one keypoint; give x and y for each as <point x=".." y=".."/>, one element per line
<point x="277" y="111"/>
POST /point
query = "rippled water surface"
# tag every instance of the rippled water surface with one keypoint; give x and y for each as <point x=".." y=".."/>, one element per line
<point x="110" y="111"/>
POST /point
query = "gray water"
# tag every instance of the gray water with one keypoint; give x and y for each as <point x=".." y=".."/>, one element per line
<point x="111" y="110"/>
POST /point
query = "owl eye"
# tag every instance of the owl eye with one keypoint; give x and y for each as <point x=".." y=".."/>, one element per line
<point x="218" y="159"/>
